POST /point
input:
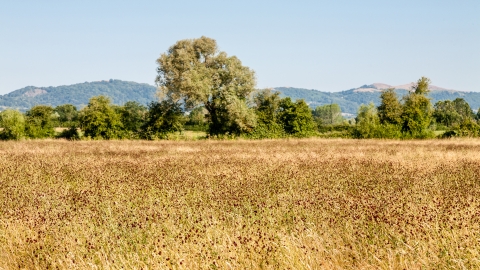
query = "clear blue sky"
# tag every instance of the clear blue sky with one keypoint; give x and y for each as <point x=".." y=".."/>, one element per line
<point x="324" y="45"/>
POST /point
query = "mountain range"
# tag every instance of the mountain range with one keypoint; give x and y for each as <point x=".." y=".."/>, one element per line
<point x="350" y="100"/>
<point x="123" y="91"/>
<point x="78" y="94"/>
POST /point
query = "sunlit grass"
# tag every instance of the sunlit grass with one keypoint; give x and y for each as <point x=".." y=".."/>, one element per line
<point x="274" y="204"/>
<point x="187" y="135"/>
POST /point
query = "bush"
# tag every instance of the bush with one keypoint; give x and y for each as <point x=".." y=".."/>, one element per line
<point x="162" y="118"/>
<point x="40" y="122"/>
<point x="67" y="115"/>
<point x="296" y="118"/>
<point x="132" y="115"/>
<point x="368" y="123"/>
<point x="469" y="128"/>
<point x="13" y="123"/>
<point x="100" y="121"/>
<point x="336" y="131"/>
<point x="450" y="134"/>
<point x="267" y="105"/>
<point x="263" y="131"/>
<point x="71" y="134"/>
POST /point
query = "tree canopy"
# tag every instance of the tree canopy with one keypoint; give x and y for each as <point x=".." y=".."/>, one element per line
<point x="99" y="119"/>
<point x="329" y="114"/>
<point x="417" y="110"/>
<point x="390" y="109"/>
<point x="40" y="121"/>
<point x="195" y="72"/>
<point x="67" y="115"/>
<point x="296" y="117"/>
<point x="13" y="124"/>
<point x="162" y="118"/>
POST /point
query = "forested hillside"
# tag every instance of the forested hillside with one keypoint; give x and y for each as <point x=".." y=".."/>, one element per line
<point x="78" y="94"/>
<point x="123" y="91"/>
<point x="350" y="100"/>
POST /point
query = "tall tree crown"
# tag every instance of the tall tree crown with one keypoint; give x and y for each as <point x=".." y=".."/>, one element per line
<point x="195" y="72"/>
<point x="422" y="85"/>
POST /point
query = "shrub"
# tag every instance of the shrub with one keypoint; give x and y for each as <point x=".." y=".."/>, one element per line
<point x="67" y="115"/>
<point x="162" y="118"/>
<point x="71" y="134"/>
<point x="296" y="118"/>
<point x="13" y="123"/>
<point x="99" y="120"/>
<point x="40" y="122"/>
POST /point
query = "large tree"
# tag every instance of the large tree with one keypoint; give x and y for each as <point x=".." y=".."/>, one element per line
<point x="446" y="114"/>
<point x="296" y="117"/>
<point x="132" y="116"/>
<point x="99" y="120"/>
<point x="67" y="115"/>
<point x="417" y="110"/>
<point x="267" y="107"/>
<point x="162" y="118"/>
<point x="329" y="114"/>
<point x="40" y="120"/>
<point x="390" y="109"/>
<point x="195" y="72"/>
<point x="367" y="122"/>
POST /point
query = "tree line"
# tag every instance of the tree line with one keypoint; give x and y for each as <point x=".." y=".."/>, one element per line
<point x="413" y="116"/>
<point x="273" y="117"/>
<point x="202" y="88"/>
<point x="101" y="119"/>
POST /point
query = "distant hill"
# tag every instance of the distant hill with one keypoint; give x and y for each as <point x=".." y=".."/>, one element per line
<point x="350" y="100"/>
<point x="78" y="94"/>
<point x="123" y="91"/>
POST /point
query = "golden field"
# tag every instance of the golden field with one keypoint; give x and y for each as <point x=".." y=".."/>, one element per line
<point x="272" y="204"/>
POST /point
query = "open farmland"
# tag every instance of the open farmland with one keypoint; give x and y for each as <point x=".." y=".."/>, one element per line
<point x="274" y="204"/>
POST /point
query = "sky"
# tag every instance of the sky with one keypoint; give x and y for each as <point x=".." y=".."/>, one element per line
<point x="324" y="45"/>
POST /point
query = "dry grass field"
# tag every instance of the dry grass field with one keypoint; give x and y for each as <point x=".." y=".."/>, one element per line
<point x="273" y="204"/>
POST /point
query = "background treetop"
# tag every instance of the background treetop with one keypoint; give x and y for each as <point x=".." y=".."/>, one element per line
<point x="421" y="87"/>
<point x="197" y="72"/>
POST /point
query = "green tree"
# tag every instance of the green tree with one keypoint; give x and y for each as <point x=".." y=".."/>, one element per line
<point x="457" y="116"/>
<point x="446" y="114"/>
<point x="469" y="128"/>
<point x="329" y="114"/>
<point x="132" y="116"/>
<point x="162" y="118"/>
<point x="197" y="119"/>
<point x="196" y="72"/>
<point x="367" y="122"/>
<point x="40" y="122"/>
<point x="390" y="109"/>
<point x="67" y="115"/>
<point x="13" y="124"/>
<point x="452" y="113"/>
<point x="296" y="117"/>
<point x="417" y="111"/>
<point x="463" y="108"/>
<point x="422" y="87"/>
<point x="267" y="105"/>
<point x="99" y="120"/>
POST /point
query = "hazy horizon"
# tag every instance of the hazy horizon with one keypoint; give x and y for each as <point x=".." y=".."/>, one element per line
<point x="321" y="45"/>
<point x="404" y="86"/>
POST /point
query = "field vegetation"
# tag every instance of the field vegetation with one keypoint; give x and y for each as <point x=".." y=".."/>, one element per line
<point x="211" y="204"/>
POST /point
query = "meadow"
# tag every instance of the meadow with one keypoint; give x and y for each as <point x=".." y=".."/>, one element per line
<point x="211" y="204"/>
